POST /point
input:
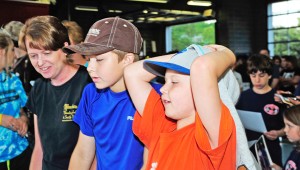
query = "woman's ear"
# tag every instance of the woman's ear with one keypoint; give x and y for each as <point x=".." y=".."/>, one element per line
<point x="128" y="58"/>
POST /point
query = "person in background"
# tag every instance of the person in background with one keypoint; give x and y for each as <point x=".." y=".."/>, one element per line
<point x="76" y="36"/>
<point x="21" y="66"/>
<point x="290" y="75"/>
<point x="14" y="150"/>
<point x="106" y="112"/>
<point x="260" y="98"/>
<point x="241" y="67"/>
<point x="54" y="98"/>
<point x="291" y="118"/>
<point x="238" y="76"/>
<point x="14" y="28"/>
<point x="277" y="60"/>
<point x="188" y="125"/>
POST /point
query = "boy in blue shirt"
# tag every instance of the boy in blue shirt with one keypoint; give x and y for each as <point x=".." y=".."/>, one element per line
<point x="106" y="112"/>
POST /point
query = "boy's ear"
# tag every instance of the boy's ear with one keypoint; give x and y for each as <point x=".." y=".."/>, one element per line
<point x="128" y="58"/>
<point x="66" y="44"/>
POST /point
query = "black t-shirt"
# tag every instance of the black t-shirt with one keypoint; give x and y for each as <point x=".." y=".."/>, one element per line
<point x="271" y="113"/>
<point x="26" y="72"/>
<point x="293" y="161"/>
<point x="55" y="107"/>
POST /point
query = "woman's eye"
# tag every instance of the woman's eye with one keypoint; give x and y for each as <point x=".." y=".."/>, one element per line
<point x="32" y="56"/>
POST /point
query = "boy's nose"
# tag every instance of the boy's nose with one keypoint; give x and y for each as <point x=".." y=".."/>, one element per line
<point x="257" y="79"/>
<point x="163" y="89"/>
<point x="91" y="66"/>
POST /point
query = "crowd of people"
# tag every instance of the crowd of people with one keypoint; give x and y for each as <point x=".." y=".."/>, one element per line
<point x="86" y="103"/>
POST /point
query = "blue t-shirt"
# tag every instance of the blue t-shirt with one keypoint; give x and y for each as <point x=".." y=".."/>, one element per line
<point x="107" y="116"/>
<point x="12" y="99"/>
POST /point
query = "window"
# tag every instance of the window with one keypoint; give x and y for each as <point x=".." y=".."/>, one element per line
<point x="180" y="36"/>
<point x="284" y="28"/>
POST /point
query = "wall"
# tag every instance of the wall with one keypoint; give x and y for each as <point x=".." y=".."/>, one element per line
<point x="242" y="25"/>
<point x="21" y="10"/>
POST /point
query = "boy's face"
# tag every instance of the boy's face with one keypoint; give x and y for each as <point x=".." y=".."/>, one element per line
<point x="260" y="80"/>
<point x="283" y="63"/>
<point x="46" y="62"/>
<point x="292" y="131"/>
<point x="7" y="56"/>
<point x="106" y="71"/>
<point x="177" y="96"/>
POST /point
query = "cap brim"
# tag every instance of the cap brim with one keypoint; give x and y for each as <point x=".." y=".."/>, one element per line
<point x="159" y="68"/>
<point x="87" y="49"/>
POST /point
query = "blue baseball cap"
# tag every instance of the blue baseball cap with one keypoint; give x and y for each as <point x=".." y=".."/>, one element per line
<point x="180" y="62"/>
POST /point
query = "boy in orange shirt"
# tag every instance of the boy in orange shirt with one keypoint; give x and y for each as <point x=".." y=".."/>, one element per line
<point x="188" y="127"/>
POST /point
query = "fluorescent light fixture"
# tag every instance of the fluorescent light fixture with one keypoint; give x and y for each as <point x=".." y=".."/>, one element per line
<point x="86" y="8"/>
<point x="161" y="19"/>
<point x="141" y="19"/>
<point x="199" y="3"/>
<point x="114" y="11"/>
<point x="208" y="13"/>
<point x="154" y="12"/>
<point x="153" y="1"/>
<point x="179" y="12"/>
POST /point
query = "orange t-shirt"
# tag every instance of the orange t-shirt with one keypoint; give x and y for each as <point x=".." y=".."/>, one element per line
<point x="186" y="148"/>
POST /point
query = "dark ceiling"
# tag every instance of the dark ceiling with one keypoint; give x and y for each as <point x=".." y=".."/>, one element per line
<point x="171" y="12"/>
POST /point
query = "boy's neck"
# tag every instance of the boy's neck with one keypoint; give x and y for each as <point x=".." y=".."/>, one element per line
<point x="185" y="122"/>
<point x="119" y="86"/>
<point x="264" y="90"/>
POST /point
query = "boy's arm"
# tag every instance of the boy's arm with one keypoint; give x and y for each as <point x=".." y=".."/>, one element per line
<point x="37" y="154"/>
<point x="83" y="154"/>
<point x="137" y="81"/>
<point x="145" y="158"/>
<point x="205" y="72"/>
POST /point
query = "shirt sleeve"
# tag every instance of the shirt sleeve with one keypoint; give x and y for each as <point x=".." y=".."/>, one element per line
<point x="83" y="112"/>
<point x="227" y="138"/>
<point x="154" y="121"/>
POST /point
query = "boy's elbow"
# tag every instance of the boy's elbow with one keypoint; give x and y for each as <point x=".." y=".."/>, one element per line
<point x="200" y="64"/>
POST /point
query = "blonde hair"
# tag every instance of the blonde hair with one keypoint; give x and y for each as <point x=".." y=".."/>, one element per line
<point x="74" y="30"/>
